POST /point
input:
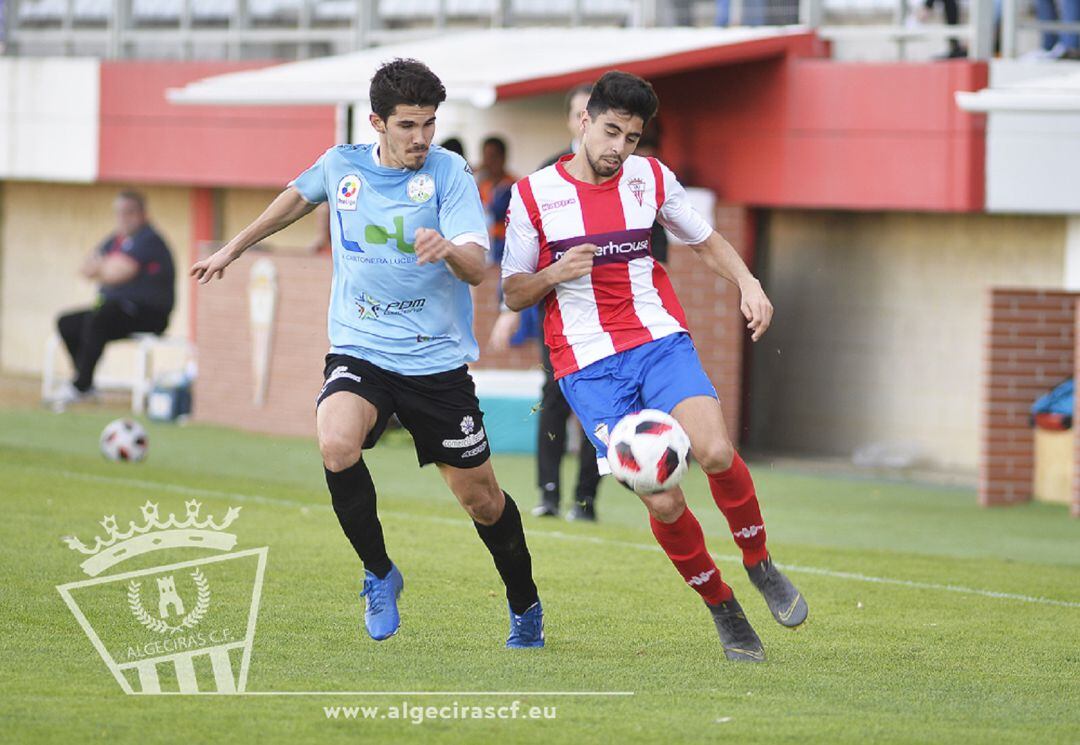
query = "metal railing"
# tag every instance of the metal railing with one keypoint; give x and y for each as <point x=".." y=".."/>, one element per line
<point x="237" y="29"/>
<point x="242" y="28"/>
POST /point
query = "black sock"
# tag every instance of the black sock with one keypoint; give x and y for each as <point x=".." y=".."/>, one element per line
<point x="506" y="542"/>
<point x="353" y="495"/>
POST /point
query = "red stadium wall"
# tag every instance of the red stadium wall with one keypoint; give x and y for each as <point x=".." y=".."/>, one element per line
<point x="799" y="132"/>
<point x="223" y="390"/>
<point x="145" y="139"/>
<point x="763" y="124"/>
<point x="1031" y="341"/>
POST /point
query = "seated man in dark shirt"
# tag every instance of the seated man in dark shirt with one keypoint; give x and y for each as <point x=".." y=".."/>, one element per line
<point x="134" y="270"/>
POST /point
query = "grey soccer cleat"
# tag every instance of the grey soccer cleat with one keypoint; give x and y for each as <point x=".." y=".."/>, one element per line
<point x="787" y="604"/>
<point x="737" y="636"/>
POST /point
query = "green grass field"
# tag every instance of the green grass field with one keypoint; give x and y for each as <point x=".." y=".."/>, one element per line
<point x="930" y="620"/>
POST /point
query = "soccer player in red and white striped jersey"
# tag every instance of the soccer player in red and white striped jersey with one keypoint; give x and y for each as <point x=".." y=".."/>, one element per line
<point x="578" y="238"/>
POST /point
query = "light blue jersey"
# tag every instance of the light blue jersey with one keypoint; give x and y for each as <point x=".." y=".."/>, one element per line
<point x="409" y="319"/>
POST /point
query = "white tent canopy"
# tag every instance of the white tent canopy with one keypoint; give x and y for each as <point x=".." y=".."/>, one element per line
<point x="481" y="67"/>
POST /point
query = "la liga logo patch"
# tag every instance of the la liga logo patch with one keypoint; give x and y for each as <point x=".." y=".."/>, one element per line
<point x="347" y="192"/>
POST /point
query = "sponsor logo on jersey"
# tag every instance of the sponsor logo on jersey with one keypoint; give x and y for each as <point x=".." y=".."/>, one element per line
<point x="612" y="248"/>
<point x="421" y="188"/>
<point x="347" y="192"/>
<point x="377" y="235"/>
<point x="559" y="204"/>
<point x="368" y="308"/>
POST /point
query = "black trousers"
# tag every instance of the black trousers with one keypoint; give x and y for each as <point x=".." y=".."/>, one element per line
<point x="85" y="333"/>
<point x="551" y="444"/>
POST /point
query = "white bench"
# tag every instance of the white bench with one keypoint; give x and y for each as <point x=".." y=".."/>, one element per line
<point x="141" y="380"/>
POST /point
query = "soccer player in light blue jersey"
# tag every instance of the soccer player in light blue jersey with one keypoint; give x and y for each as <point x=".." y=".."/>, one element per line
<point x="409" y="236"/>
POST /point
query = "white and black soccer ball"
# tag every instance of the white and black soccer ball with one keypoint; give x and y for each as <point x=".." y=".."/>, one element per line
<point x="124" y="440"/>
<point x="648" y="452"/>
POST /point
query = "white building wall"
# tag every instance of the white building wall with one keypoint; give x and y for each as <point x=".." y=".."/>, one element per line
<point x="1032" y="158"/>
<point x="49" y="114"/>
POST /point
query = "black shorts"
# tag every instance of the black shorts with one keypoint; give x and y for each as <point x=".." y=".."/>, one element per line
<point x="440" y="411"/>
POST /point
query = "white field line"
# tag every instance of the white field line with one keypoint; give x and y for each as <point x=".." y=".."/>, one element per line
<point x="852" y="576"/>
<point x="463" y="694"/>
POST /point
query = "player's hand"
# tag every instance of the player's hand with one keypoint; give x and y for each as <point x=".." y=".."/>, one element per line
<point x="576" y="262"/>
<point x="215" y="264"/>
<point x="755" y="306"/>
<point x="430" y="246"/>
<point x="505" y="326"/>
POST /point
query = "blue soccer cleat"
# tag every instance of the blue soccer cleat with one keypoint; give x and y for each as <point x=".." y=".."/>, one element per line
<point x="381" y="614"/>
<point x="526" y="630"/>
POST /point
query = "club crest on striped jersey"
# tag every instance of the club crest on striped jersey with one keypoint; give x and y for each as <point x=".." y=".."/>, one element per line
<point x="637" y="188"/>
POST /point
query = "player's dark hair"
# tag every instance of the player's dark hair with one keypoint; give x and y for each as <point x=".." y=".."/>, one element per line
<point x="579" y="88"/>
<point x="136" y="198"/>
<point x="497" y="142"/>
<point x="404" y="81"/>
<point x="625" y="93"/>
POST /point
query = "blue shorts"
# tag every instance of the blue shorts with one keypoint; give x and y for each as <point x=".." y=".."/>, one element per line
<point x="657" y="375"/>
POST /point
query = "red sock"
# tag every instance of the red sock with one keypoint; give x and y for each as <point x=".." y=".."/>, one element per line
<point x="733" y="492"/>
<point x="684" y="543"/>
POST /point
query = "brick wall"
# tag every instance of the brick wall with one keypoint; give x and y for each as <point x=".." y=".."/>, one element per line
<point x="223" y="390"/>
<point x="1030" y="347"/>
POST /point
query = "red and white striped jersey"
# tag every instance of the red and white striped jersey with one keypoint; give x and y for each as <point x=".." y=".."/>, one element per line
<point x="627" y="300"/>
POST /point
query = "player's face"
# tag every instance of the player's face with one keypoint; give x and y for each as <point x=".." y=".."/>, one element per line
<point x="609" y="139"/>
<point x="405" y="138"/>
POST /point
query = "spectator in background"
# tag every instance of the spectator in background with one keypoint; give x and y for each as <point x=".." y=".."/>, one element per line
<point x="454" y="145"/>
<point x="494" y="183"/>
<point x="134" y="271"/>
<point x="952" y="18"/>
<point x="577" y="98"/>
<point x="1065" y="45"/>
<point x="514" y="328"/>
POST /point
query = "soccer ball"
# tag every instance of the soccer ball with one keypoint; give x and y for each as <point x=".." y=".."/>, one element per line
<point x="124" y="439"/>
<point x="648" y="452"/>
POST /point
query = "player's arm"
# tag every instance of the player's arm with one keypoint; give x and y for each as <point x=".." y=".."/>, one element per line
<point x="461" y="220"/>
<point x="522" y="283"/>
<point x="722" y="258"/>
<point x="288" y="207"/>
<point x="466" y="260"/>
<point x="524" y="289"/>
<point x="688" y="226"/>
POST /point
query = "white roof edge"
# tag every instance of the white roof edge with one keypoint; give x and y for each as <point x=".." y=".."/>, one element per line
<point x="990" y="100"/>
<point x="525" y="54"/>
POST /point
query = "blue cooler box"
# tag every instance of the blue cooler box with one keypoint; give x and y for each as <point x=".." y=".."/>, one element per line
<point x="510" y="401"/>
